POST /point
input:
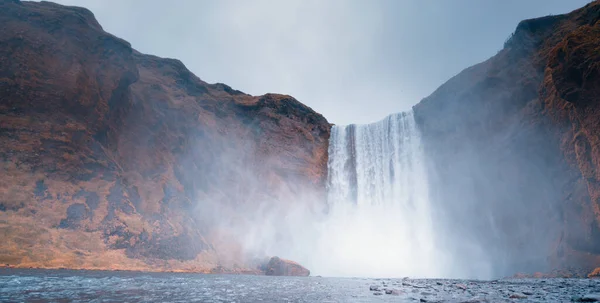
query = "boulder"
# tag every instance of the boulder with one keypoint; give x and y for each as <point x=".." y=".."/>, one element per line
<point x="283" y="267"/>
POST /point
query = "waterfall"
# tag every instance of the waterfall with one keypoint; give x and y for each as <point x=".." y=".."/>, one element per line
<point x="378" y="164"/>
<point x="380" y="219"/>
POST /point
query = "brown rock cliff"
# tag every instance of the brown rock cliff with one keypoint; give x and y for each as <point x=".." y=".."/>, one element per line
<point x="513" y="148"/>
<point x="112" y="159"/>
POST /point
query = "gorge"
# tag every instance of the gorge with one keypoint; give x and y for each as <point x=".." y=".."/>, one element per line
<point x="117" y="160"/>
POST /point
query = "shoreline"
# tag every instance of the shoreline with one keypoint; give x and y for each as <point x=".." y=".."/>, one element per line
<point x="249" y="273"/>
<point x="519" y="276"/>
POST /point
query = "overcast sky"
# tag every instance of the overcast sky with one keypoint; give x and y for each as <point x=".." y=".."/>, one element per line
<point x="352" y="61"/>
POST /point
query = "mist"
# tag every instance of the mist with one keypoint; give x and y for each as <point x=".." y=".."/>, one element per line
<point x="376" y="219"/>
<point x="399" y="202"/>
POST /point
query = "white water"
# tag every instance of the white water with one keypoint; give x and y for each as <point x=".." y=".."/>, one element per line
<point x="380" y="220"/>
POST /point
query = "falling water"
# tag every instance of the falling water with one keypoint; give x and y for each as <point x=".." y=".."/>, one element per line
<point x="380" y="221"/>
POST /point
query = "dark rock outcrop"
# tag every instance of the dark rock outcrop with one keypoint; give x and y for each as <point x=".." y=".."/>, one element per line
<point x="112" y="159"/>
<point x="282" y="267"/>
<point x="513" y="148"/>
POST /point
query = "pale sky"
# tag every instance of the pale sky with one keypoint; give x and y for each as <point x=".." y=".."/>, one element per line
<point x="354" y="61"/>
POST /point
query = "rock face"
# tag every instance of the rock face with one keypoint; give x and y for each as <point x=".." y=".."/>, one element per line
<point x="513" y="146"/>
<point x="282" y="267"/>
<point x="112" y="159"/>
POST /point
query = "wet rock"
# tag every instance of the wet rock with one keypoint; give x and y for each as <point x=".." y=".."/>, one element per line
<point x="517" y="296"/>
<point x="595" y="273"/>
<point x="393" y="292"/>
<point x="282" y="267"/>
<point x="374" y="288"/>
<point x="588" y="298"/>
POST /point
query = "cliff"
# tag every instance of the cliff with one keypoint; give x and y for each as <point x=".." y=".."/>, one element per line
<point x="113" y="159"/>
<point x="513" y="149"/>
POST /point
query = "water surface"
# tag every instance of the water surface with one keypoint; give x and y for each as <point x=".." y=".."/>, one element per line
<point x="32" y="285"/>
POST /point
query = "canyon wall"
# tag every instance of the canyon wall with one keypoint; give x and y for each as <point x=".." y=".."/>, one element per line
<point x="512" y="147"/>
<point x="113" y="159"/>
